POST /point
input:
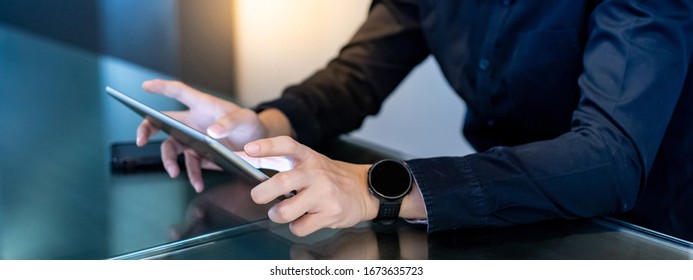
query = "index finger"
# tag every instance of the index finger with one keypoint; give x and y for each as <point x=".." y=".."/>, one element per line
<point x="173" y="89"/>
<point x="278" y="146"/>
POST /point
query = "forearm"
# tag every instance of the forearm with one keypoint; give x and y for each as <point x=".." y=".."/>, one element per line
<point x="535" y="182"/>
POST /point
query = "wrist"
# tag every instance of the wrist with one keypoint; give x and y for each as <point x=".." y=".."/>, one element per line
<point x="413" y="205"/>
<point x="275" y="122"/>
<point x="371" y="203"/>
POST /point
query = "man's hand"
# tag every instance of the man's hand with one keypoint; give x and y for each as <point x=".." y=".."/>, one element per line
<point x="329" y="193"/>
<point x="232" y="125"/>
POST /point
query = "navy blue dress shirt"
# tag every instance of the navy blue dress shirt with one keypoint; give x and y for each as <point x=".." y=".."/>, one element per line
<point x="576" y="108"/>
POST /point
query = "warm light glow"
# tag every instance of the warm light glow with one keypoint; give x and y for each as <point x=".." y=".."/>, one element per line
<point x="279" y="42"/>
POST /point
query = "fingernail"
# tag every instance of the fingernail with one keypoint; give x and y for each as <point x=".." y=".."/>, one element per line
<point x="147" y="85"/>
<point x="252" y="148"/>
<point x="215" y="131"/>
<point x="169" y="170"/>
<point x="138" y="141"/>
<point x="152" y="86"/>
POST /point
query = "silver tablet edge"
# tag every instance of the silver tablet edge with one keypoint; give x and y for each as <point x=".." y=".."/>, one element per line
<point x="218" y="147"/>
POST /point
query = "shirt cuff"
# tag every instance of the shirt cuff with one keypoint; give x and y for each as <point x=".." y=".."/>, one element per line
<point x="452" y="194"/>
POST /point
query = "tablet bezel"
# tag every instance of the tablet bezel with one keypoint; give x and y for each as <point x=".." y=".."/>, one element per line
<point x="203" y="144"/>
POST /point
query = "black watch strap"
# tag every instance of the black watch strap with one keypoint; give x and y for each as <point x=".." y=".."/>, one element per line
<point x="388" y="212"/>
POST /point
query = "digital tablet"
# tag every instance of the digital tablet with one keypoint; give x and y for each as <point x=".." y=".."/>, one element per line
<point x="203" y="144"/>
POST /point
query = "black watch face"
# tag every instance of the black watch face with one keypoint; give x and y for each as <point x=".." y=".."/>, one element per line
<point x="390" y="179"/>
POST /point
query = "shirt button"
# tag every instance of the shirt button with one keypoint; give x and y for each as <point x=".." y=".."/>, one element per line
<point x="490" y="123"/>
<point x="507" y="2"/>
<point x="483" y="64"/>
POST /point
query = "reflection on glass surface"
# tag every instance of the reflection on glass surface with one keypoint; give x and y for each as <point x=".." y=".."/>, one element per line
<point x="367" y="243"/>
<point x="570" y="240"/>
<point x="142" y="209"/>
<point x="149" y="209"/>
<point x="225" y="203"/>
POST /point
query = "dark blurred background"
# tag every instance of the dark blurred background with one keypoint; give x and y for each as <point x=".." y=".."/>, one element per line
<point x="190" y="40"/>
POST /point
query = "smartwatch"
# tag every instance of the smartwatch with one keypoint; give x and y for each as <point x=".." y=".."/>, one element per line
<point x="389" y="181"/>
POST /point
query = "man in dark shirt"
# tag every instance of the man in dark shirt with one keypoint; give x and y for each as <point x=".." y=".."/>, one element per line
<point x="576" y="108"/>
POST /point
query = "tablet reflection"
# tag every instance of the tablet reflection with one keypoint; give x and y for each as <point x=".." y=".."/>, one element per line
<point x="224" y="204"/>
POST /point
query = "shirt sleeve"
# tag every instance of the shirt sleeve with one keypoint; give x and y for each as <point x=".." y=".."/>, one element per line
<point x="635" y="66"/>
<point x="337" y="98"/>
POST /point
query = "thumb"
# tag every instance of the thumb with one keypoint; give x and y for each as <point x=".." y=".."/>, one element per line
<point x="236" y="122"/>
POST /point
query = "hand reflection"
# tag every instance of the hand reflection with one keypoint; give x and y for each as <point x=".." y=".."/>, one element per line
<point x="222" y="206"/>
<point x="363" y="244"/>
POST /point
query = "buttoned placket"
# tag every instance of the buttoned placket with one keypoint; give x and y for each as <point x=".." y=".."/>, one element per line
<point x="485" y="62"/>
